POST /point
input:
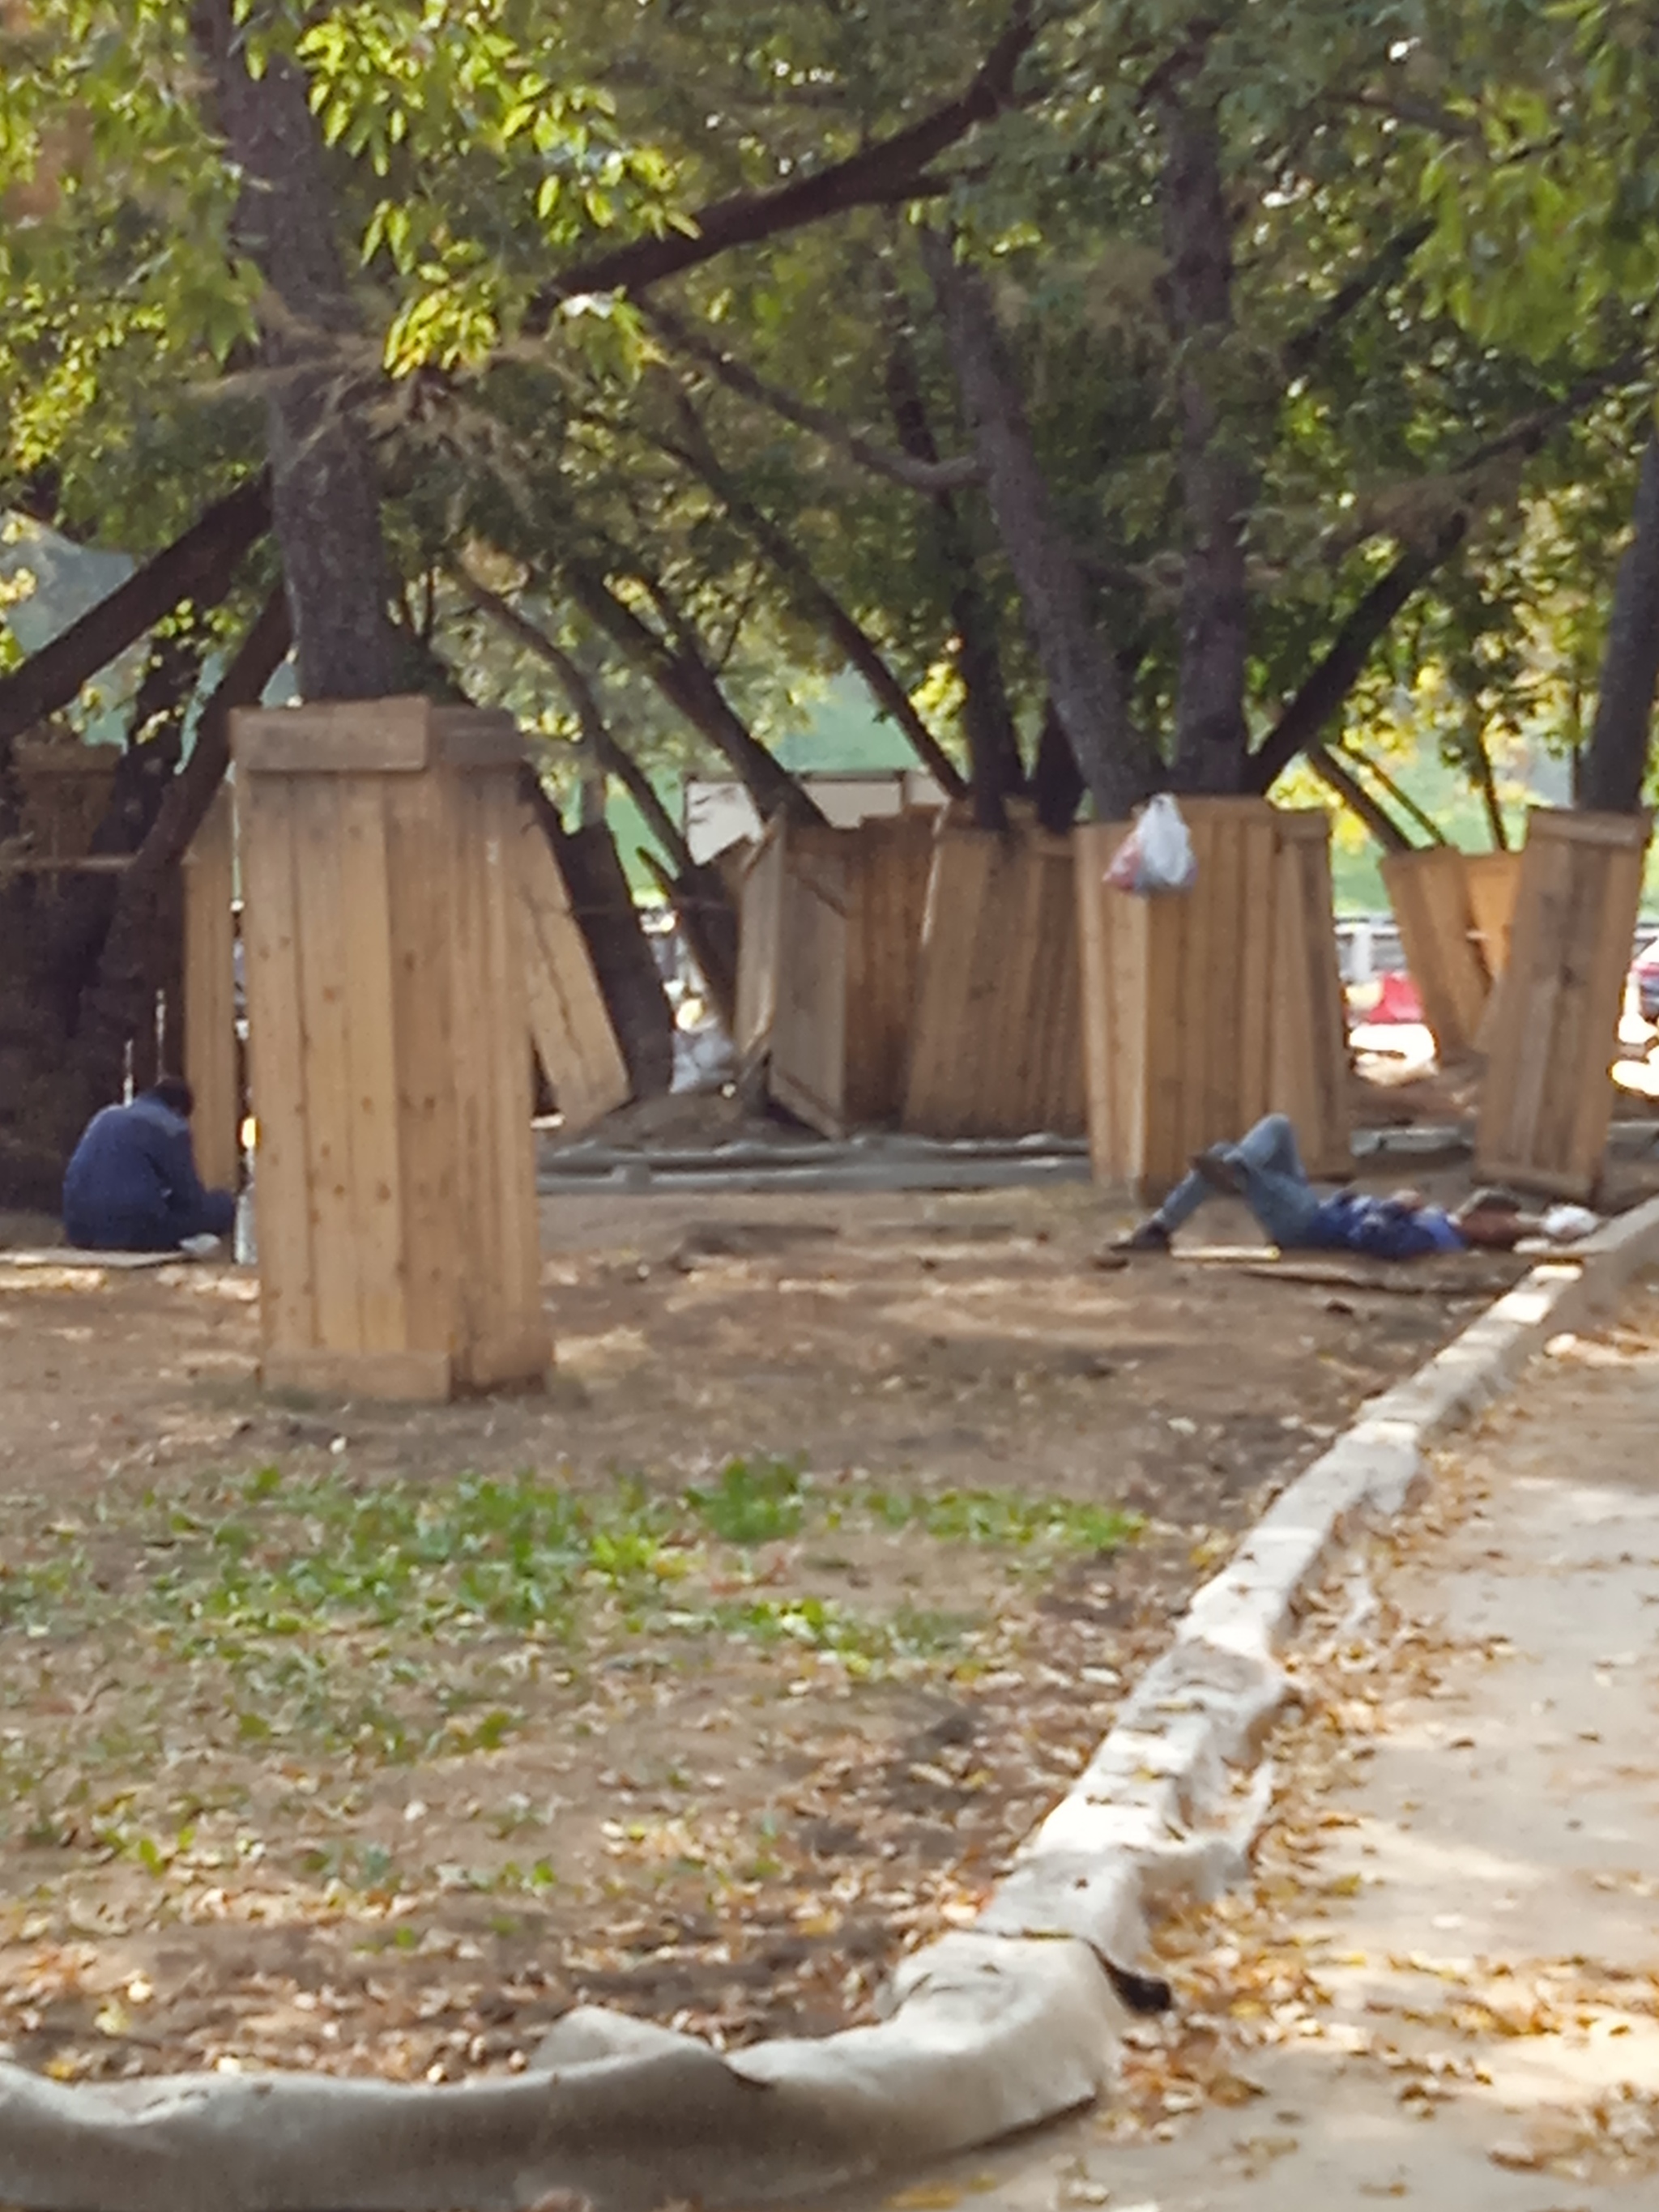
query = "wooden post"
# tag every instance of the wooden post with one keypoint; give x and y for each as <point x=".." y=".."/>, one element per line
<point x="568" y="1019"/>
<point x="210" y="1062"/>
<point x="1547" y="1099"/>
<point x="1429" y="893"/>
<point x="389" y="1025"/>
<point x="1204" y="1009"/>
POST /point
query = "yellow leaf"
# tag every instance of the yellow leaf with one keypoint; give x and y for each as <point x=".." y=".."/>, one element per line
<point x="928" y="2197"/>
<point x="1234" y="2089"/>
<point x="112" y="2019"/>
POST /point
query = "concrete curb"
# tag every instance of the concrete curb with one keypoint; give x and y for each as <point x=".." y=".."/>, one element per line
<point x="989" y="2031"/>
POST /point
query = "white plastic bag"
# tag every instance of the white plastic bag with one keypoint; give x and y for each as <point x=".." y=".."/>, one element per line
<point x="1156" y="856"/>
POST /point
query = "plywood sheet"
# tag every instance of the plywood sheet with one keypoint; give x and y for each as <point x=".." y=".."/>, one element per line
<point x="569" y="1022"/>
<point x="1429" y="892"/>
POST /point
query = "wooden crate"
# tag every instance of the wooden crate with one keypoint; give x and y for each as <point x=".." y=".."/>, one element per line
<point x="1205" y="1009"/>
<point x="1429" y="893"/>
<point x="570" y="1024"/>
<point x="211" y="1062"/>
<point x="1547" y="1100"/>
<point x="828" y="942"/>
<point x="996" y="1046"/>
<point x="397" y="1232"/>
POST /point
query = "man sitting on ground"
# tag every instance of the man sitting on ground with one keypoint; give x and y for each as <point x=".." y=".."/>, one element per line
<point x="132" y="1185"/>
<point x="1265" y="1170"/>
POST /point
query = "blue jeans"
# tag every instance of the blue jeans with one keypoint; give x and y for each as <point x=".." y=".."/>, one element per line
<point x="1275" y="1185"/>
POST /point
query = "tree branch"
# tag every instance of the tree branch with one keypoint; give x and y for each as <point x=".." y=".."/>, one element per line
<point x="1358" y="801"/>
<point x="899" y="468"/>
<point x="860" y="648"/>
<point x="892" y="169"/>
<point x="1323" y="691"/>
<point x="200" y="565"/>
<point x="1390" y="261"/>
<point x="596" y="732"/>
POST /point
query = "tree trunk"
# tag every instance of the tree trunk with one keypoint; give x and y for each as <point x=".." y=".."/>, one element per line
<point x="141" y="952"/>
<point x="994" y="753"/>
<point x="325" y="498"/>
<point x="201" y="566"/>
<point x="1354" y="796"/>
<point x="1057" y="784"/>
<point x="1082" y="675"/>
<point x="1616" y="760"/>
<point x="623" y="962"/>
<point x="1211" y="739"/>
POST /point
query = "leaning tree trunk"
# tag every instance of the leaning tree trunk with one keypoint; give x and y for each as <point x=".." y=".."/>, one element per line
<point x="1210" y="738"/>
<point x="1082" y="674"/>
<point x="325" y="497"/>
<point x="1615" y="762"/>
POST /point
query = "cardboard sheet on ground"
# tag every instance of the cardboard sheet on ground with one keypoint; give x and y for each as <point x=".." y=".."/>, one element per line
<point x="991" y="2035"/>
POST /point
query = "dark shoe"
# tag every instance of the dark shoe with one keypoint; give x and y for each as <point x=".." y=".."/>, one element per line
<point x="1151" y="1236"/>
<point x="1219" y="1171"/>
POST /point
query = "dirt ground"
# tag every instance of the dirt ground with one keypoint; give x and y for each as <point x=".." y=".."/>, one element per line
<point x="372" y="1738"/>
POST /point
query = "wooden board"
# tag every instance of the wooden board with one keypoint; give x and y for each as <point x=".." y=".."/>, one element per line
<point x="1494" y="882"/>
<point x="889" y="863"/>
<point x="1204" y="1009"/>
<point x="210" y="1066"/>
<point x="1429" y="892"/>
<point x="1309" y="1029"/>
<point x="760" y="918"/>
<point x="1547" y="1100"/>
<point x="809" y="1023"/>
<point x="569" y="1023"/>
<point x="996" y="1041"/>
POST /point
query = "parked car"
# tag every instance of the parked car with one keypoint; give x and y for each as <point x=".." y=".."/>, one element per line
<point x="1644" y="974"/>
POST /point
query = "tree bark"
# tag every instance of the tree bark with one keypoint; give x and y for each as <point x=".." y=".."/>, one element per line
<point x="1616" y="759"/>
<point x="325" y="497"/>
<point x="690" y="686"/>
<point x="141" y="953"/>
<point x="993" y="752"/>
<point x="1057" y="784"/>
<point x="1116" y="764"/>
<point x="1211" y="738"/>
<point x="200" y="566"/>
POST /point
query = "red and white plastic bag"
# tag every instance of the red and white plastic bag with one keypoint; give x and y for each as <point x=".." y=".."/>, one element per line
<point x="1156" y="856"/>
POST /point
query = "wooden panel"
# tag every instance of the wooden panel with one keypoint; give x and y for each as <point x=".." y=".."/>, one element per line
<point x="380" y="736"/>
<point x="996" y="1046"/>
<point x="760" y="909"/>
<point x="569" y="1022"/>
<point x="324" y="953"/>
<point x="423" y="993"/>
<point x="809" y="1032"/>
<point x="1494" y="880"/>
<point x="411" y="1377"/>
<point x="1547" y="1101"/>
<point x="470" y="739"/>
<point x="211" y="994"/>
<point x="271" y="927"/>
<point x="889" y="865"/>
<point x="1310" y="1034"/>
<point x="1201" y="1010"/>
<point x="1429" y="891"/>
<point x="366" y="1002"/>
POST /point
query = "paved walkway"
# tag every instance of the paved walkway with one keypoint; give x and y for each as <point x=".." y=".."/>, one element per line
<point x="1446" y="1989"/>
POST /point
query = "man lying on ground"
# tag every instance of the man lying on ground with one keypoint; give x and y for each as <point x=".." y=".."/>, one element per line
<point x="132" y="1185"/>
<point x="1265" y="1170"/>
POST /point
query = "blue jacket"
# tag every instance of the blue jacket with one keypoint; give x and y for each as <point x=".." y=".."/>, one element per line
<point x="132" y="1185"/>
<point x="1383" y="1229"/>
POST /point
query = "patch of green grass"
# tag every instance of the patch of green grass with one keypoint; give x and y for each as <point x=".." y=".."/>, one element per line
<point x="1007" y="1519"/>
<point x="755" y="1502"/>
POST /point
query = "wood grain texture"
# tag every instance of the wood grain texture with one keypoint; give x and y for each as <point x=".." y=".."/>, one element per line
<point x="1430" y="894"/>
<point x="569" y="1023"/>
<point x="211" y="1062"/>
